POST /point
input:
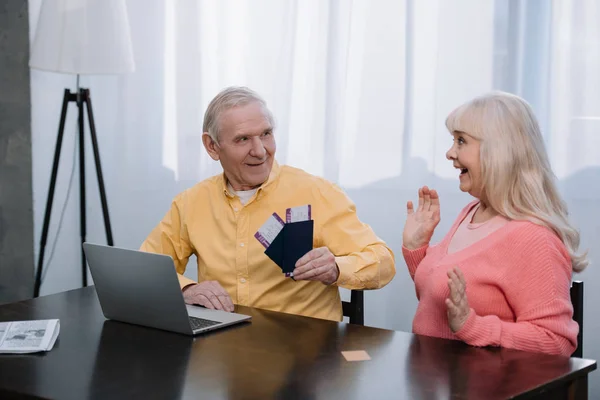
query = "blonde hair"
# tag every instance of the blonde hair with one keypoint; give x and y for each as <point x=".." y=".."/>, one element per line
<point x="518" y="181"/>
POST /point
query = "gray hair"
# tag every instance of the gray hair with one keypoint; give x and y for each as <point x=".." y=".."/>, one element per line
<point x="228" y="98"/>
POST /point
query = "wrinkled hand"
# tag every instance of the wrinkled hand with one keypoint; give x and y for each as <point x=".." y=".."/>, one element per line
<point x="317" y="265"/>
<point x="457" y="304"/>
<point x="421" y="223"/>
<point x="209" y="294"/>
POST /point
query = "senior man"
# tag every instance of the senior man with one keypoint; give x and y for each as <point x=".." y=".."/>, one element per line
<point x="217" y="218"/>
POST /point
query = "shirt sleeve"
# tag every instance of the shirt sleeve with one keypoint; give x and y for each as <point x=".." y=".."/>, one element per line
<point x="364" y="260"/>
<point x="538" y="292"/>
<point x="170" y="237"/>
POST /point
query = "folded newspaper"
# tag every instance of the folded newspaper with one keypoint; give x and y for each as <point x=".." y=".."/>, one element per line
<point x="28" y="336"/>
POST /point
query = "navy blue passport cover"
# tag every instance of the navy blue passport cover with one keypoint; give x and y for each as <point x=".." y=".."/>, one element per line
<point x="275" y="249"/>
<point x="293" y="242"/>
<point x="297" y="241"/>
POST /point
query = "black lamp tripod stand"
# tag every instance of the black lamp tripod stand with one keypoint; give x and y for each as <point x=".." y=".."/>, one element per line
<point x="81" y="97"/>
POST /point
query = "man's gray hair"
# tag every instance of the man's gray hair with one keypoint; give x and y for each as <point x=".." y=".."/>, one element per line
<point x="228" y="98"/>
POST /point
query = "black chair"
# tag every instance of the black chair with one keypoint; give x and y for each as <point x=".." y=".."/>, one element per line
<point x="577" y="300"/>
<point x="355" y="308"/>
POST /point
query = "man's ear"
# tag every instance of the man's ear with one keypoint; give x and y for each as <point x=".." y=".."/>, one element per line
<point x="211" y="146"/>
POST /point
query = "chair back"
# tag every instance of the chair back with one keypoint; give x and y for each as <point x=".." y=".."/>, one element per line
<point x="577" y="300"/>
<point x="354" y="309"/>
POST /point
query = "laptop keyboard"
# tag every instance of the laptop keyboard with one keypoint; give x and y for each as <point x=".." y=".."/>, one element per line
<point x="199" y="323"/>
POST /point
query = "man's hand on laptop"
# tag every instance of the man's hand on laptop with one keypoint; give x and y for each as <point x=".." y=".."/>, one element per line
<point x="209" y="294"/>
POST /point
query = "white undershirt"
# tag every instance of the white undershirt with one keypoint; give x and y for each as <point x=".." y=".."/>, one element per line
<point x="244" y="195"/>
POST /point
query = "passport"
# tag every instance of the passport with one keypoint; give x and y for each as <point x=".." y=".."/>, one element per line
<point x="287" y="242"/>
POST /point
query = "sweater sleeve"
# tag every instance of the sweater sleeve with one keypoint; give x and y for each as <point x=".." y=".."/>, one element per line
<point x="537" y="289"/>
<point x="413" y="258"/>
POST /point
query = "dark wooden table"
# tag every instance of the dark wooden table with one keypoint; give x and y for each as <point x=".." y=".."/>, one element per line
<point x="276" y="355"/>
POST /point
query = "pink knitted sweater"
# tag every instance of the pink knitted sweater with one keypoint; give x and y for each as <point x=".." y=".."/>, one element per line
<point x="518" y="281"/>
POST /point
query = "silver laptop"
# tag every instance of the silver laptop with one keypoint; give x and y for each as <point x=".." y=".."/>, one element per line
<point x="142" y="288"/>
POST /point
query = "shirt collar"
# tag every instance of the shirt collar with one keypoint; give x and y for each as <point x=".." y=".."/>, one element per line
<point x="273" y="176"/>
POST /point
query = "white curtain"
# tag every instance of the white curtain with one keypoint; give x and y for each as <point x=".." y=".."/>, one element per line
<point x="360" y="90"/>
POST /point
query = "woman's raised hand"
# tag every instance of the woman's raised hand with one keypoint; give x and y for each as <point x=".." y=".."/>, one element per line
<point x="421" y="223"/>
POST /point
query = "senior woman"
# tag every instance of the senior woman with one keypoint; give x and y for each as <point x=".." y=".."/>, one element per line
<point x="501" y="275"/>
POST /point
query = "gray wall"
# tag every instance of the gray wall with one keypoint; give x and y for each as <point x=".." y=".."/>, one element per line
<point x="16" y="204"/>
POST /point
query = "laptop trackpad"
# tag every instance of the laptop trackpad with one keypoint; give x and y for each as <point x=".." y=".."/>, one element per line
<point x="214" y="315"/>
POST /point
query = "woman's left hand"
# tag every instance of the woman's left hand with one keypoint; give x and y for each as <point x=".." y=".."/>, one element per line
<point x="457" y="304"/>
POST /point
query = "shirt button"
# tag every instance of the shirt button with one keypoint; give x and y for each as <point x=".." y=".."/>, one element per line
<point x="243" y="280"/>
<point x="235" y="209"/>
<point x="242" y="244"/>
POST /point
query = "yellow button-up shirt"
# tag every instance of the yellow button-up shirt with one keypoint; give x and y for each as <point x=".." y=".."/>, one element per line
<point x="210" y="222"/>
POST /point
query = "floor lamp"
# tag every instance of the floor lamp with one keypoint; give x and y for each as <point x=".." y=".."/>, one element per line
<point x="80" y="37"/>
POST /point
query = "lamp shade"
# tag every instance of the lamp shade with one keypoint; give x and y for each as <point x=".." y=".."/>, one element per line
<point x="83" y="37"/>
